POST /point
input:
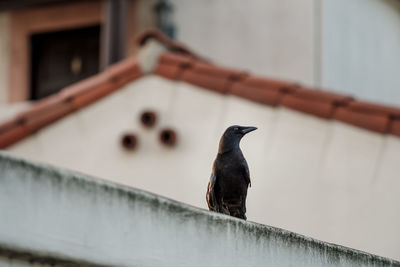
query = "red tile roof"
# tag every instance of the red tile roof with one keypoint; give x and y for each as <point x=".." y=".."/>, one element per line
<point x="183" y="65"/>
<point x="320" y="103"/>
<point x="68" y="100"/>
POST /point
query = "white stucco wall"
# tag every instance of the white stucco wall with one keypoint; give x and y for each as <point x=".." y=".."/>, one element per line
<point x="361" y="48"/>
<point x="4" y="51"/>
<point x="51" y="216"/>
<point x="267" y="37"/>
<point x="320" y="178"/>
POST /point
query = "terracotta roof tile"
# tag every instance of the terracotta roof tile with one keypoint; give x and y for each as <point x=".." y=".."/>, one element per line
<point x="283" y="86"/>
<point x="217" y="71"/>
<point x="11" y="132"/>
<point x="172" y="72"/>
<point x="316" y="102"/>
<point x="315" y="95"/>
<point x="89" y="96"/>
<point x="320" y="109"/>
<point x="100" y="85"/>
<point x="45" y="112"/>
<point x="175" y="59"/>
<point x="212" y="77"/>
<point x="262" y="90"/>
<point x="124" y="71"/>
<point x="213" y="83"/>
<point x="8" y="125"/>
<point x="374" y="122"/>
<point x="12" y="136"/>
<point x="257" y="94"/>
<point x="395" y="128"/>
<point x="83" y="86"/>
<point x="373" y="108"/>
<point x="197" y="72"/>
<point x="171" y="65"/>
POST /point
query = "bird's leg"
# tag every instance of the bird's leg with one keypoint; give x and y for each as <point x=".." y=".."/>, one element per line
<point x="243" y="200"/>
<point x="242" y="210"/>
<point x="225" y="208"/>
<point x="234" y="207"/>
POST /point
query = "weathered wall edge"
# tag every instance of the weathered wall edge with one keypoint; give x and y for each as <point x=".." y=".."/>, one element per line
<point x="178" y="209"/>
<point x="39" y="257"/>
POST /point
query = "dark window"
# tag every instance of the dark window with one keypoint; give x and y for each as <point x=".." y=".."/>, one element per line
<point x="61" y="58"/>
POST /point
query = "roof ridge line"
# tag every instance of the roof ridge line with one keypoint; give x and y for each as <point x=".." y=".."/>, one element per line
<point x="180" y="63"/>
<point x="70" y="99"/>
<point x="371" y="116"/>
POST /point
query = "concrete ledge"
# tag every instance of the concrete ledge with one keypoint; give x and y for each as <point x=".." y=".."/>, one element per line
<point x="11" y="255"/>
<point x="48" y="213"/>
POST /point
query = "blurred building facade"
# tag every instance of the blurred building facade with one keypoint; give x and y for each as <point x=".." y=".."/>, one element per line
<point x="311" y="172"/>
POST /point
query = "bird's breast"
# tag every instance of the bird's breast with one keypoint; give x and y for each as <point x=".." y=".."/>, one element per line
<point x="231" y="178"/>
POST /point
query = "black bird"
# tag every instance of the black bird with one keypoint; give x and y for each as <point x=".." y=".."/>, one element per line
<point x="230" y="178"/>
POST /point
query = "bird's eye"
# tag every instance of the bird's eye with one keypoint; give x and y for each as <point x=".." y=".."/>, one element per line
<point x="236" y="128"/>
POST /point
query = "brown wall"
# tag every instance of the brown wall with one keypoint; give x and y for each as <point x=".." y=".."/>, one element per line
<point x="24" y="23"/>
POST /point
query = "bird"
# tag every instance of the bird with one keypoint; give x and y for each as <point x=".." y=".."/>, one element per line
<point x="230" y="177"/>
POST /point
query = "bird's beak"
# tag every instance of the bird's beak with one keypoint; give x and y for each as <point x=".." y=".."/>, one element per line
<point x="246" y="130"/>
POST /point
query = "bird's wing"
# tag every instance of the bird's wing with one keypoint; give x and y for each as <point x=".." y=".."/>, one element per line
<point x="211" y="197"/>
<point x="247" y="174"/>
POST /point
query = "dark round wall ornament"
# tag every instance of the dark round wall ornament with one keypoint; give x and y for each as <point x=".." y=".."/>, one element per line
<point x="148" y="118"/>
<point x="129" y="141"/>
<point x="168" y="137"/>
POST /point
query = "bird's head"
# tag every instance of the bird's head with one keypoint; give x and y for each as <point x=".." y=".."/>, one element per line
<point x="232" y="136"/>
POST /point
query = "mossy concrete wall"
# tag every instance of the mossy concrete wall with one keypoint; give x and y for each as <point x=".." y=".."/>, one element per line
<point x="59" y="217"/>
